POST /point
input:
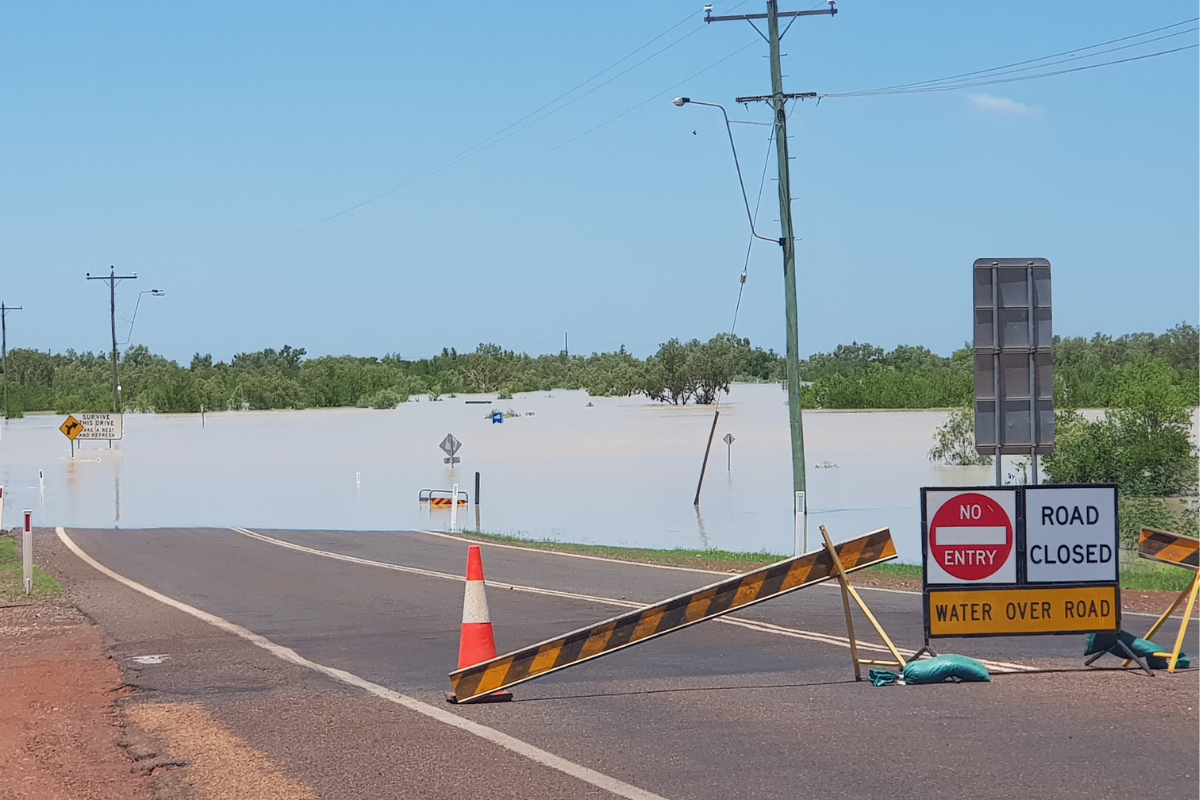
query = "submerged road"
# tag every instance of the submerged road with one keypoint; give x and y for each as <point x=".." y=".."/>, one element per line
<point x="763" y="706"/>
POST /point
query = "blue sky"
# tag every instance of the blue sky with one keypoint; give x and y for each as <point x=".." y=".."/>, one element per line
<point x="197" y="145"/>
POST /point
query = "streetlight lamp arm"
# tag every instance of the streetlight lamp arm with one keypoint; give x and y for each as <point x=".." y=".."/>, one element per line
<point x="680" y="101"/>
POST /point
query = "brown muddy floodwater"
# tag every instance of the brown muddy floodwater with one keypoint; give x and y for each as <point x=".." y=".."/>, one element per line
<point x="620" y="471"/>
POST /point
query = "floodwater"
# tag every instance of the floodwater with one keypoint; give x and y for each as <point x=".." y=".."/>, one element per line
<point x="618" y="471"/>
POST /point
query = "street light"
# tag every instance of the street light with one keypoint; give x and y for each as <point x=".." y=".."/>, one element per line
<point x="136" y="306"/>
<point x="682" y="101"/>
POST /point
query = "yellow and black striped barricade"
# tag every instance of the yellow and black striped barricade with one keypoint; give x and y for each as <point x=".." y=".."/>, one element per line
<point x="667" y="616"/>
<point x="1182" y="551"/>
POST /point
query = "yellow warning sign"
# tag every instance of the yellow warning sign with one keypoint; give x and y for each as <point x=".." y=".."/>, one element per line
<point x="1014" y="611"/>
<point x="71" y="428"/>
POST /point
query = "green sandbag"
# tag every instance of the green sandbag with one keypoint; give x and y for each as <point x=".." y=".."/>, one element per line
<point x="943" y="668"/>
<point x="1099" y="642"/>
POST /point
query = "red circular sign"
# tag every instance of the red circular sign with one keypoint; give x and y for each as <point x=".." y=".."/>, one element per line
<point x="971" y="537"/>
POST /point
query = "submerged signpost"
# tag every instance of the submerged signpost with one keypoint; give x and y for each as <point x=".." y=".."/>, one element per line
<point x="450" y="446"/>
<point x="92" y="426"/>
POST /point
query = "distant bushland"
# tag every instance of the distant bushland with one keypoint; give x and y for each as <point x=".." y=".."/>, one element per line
<point x="1089" y="373"/>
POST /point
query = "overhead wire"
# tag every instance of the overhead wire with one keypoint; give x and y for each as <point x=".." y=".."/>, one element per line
<point x="544" y="153"/>
<point x="494" y="138"/>
<point x="995" y="75"/>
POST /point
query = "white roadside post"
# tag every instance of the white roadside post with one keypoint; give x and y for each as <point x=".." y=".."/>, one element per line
<point x="27" y="552"/>
<point x="801" y="532"/>
<point x="454" y="509"/>
<point x="1" y="509"/>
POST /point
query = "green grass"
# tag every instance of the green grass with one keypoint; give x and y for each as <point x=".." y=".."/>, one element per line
<point x="1136" y="575"/>
<point x="718" y="560"/>
<point x="12" y="583"/>
<point x="1142" y="575"/>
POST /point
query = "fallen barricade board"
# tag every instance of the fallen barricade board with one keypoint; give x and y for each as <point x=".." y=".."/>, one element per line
<point x="667" y="616"/>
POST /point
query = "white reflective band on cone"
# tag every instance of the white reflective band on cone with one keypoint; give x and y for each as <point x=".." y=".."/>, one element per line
<point x="475" y="607"/>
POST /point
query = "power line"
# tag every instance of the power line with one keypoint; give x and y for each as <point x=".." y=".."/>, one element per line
<point x="494" y="138"/>
<point x="1033" y="77"/>
<point x="540" y="155"/>
<point x="959" y="81"/>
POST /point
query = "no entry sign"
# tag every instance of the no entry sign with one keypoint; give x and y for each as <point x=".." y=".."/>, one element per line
<point x="971" y="536"/>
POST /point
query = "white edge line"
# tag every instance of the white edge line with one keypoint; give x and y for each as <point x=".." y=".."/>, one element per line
<point x="527" y="549"/>
<point x="536" y="754"/>
<point x="827" y="585"/>
<point x="761" y="627"/>
<point x="623" y="562"/>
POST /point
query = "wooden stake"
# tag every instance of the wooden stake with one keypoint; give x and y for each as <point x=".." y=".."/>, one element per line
<point x="848" y="592"/>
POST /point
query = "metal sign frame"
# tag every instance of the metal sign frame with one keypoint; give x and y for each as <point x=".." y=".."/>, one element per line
<point x="1022" y="581"/>
<point x="1012" y="343"/>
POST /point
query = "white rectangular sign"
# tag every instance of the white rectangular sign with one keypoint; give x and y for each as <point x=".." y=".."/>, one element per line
<point x="101" y="426"/>
<point x="1070" y="534"/>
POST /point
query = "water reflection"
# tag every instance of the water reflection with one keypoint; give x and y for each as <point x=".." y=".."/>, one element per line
<point x="700" y="527"/>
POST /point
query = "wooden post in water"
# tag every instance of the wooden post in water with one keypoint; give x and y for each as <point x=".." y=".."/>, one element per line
<point x="707" y="449"/>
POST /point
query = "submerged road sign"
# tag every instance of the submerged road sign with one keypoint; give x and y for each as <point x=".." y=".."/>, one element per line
<point x="670" y="615"/>
<point x="71" y="428"/>
<point x="101" y="426"/>
<point x="450" y="446"/>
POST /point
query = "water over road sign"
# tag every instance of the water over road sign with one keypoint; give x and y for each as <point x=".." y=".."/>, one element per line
<point x="972" y="537"/>
<point x="1009" y="611"/>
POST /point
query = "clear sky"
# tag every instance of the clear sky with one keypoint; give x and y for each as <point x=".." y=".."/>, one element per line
<point x="205" y="147"/>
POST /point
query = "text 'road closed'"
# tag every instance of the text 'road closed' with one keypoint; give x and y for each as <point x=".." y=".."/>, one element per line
<point x="1016" y="611"/>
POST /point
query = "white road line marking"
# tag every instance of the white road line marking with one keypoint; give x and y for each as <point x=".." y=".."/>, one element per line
<point x="486" y="543"/>
<point x="762" y="627"/>
<point x="623" y="562"/>
<point x="590" y="776"/>
<point x="459" y="538"/>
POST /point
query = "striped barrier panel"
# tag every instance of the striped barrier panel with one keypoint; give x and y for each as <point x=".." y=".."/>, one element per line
<point x="635" y="627"/>
<point x="444" y="502"/>
<point x="1182" y="551"/>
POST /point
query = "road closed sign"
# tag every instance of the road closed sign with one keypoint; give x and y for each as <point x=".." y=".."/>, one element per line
<point x="970" y="536"/>
<point x="1070" y="534"/>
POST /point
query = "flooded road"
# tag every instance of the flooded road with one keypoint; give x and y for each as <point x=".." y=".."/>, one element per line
<point x="618" y="471"/>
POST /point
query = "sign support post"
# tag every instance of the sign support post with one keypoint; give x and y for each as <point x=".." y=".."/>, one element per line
<point x="848" y="592"/>
<point x="1182" y="551"/>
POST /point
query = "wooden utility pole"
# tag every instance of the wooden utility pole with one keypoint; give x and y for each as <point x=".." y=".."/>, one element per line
<point x="4" y="347"/>
<point x="778" y="100"/>
<point x="113" y="279"/>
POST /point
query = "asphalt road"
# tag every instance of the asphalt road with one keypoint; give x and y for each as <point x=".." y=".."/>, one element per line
<point x="714" y="711"/>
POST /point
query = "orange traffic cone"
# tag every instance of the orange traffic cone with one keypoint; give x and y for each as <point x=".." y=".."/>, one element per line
<point x="477" y="643"/>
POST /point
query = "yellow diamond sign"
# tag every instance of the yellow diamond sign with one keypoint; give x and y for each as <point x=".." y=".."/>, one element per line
<point x="71" y="428"/>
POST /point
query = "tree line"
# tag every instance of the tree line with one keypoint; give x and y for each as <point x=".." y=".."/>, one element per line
<point x="859" y="376"/>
